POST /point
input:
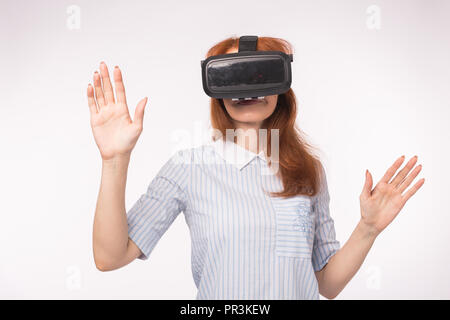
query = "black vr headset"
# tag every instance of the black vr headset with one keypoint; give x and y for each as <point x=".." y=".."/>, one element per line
<point x="248" y="73"/>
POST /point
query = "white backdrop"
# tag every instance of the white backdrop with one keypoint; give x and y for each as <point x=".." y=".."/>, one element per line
<point x="371" y="77"/>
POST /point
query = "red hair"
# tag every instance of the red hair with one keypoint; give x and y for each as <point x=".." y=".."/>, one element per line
<point x="299" y="168"/>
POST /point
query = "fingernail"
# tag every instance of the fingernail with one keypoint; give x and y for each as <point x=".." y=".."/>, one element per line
<point x="117" y="67"/>
<point x="102" y="62"/>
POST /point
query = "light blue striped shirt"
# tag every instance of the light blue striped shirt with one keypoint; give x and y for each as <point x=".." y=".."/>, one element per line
<point x="245" y="244"/>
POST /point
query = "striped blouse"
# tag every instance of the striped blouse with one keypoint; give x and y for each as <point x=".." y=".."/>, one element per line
<point x="245" y="244"/>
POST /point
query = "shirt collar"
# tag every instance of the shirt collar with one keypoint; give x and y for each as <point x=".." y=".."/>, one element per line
<point x="235" y="154"/>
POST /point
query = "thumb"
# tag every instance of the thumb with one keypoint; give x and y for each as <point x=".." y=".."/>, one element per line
<point x="139" y="112"/>
<point x="367" y="185"/>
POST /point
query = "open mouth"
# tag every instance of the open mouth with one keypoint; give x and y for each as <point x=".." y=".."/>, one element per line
<point x="247" y="101"/>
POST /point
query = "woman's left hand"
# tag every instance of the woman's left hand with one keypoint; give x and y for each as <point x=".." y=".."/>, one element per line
<point x="382" y="204"/>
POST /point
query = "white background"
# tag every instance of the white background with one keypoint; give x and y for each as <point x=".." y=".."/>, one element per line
<point x="366" y="96"/>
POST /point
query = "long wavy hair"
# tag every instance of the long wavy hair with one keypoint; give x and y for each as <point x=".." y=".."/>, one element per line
<point x="299" y="168"/>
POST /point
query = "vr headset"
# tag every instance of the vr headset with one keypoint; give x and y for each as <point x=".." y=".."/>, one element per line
<point x="247" y="74"/>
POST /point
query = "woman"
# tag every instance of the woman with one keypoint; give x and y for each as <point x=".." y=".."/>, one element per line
<point x="254" y="235"/>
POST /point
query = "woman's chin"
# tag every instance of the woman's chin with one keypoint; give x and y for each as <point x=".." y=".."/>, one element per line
<point x="248" y="118"/>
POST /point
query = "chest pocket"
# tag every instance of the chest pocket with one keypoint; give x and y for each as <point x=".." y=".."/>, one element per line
<point x="295" y="226"/>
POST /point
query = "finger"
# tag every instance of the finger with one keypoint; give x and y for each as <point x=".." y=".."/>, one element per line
<point x="107" y="86"/>
<point x="367" y="189"/>
<point x="98" y="90"/>
<point x="413" y="190"/>
<point x="120" y="88"/>
<point x="390" y="172"/>
<point x="91" y="100"/>
<point x="407" y="181"/>
<point x="402" y="173"/>
<point x="139" y="113"/>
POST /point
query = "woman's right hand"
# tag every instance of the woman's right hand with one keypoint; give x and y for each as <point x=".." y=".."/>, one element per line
<point x="114" y="132"/>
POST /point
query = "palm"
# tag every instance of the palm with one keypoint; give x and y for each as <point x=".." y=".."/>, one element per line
<point x="381" y="205"/>
<point x="114" y="131"/>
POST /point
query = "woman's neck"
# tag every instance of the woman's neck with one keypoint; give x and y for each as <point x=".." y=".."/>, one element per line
<point x="248" y="136"/>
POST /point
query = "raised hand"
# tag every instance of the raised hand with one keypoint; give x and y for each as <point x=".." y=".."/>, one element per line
<point x="114" y="132"/>
<point x="382" y="204"/>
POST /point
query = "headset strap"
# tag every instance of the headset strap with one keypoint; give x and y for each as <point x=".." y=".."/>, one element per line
<point x="247" y="43"/>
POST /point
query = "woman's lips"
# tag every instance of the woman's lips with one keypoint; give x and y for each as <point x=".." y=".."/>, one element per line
<point x="248" y="102"/>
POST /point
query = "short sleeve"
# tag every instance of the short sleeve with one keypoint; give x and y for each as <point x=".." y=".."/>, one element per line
<point x="156" y="209"/>
<point x="325" y="243"/>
